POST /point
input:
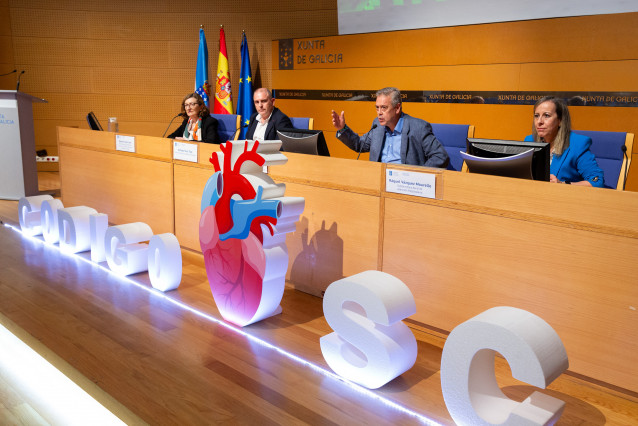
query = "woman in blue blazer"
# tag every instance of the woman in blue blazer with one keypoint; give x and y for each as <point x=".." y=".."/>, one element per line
<point x="571" y="161"/>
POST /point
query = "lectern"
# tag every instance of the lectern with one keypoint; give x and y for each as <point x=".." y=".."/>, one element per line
<point x="18" y="171"/>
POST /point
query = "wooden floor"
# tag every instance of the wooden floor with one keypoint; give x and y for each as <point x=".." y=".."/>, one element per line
<point x="167" y="359"/>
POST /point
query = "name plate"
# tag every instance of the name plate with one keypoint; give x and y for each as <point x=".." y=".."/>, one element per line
<point x="185" y="151"/>
<point x="410" y="183"/>
<point x="125" y="143"/>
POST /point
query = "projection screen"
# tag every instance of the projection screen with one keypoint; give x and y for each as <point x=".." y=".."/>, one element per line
<point x="365" y="16"/>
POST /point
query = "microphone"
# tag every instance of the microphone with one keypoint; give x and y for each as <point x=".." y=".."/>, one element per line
<point x="374" y="126"/>
<point x="181" y="114"/>
<point x="2" y="75"/>
<point x="19" y="76"/>
<point x="238" y="129"/>
<point x="624" y="151"/>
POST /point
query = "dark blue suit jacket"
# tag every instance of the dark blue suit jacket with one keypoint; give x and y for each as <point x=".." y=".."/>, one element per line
<point x="419" y="146"/>
<point x="278" y="120"/>
<point x="577" y="163"/>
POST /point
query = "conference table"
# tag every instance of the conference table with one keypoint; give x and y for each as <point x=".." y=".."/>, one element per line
<point x="562" y="252"/>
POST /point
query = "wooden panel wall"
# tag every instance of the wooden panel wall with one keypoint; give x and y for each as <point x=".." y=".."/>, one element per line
<point x="136" y="60"/>
<point x="589" y="53"/>
<point x="128" y="187"/>
<point x="6" y="48"/>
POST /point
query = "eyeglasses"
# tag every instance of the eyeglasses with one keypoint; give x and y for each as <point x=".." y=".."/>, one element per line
<point x="190" y="105"/>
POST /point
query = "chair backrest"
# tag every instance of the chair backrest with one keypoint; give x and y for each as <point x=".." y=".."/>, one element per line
<point x="306" y="123"/>
<point x="228" y="128"/>
<point x="453" y="138"/>
<point x="607" y="148"/>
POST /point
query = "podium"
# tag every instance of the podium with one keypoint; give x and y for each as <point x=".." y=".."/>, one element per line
<point x="17" y="142"/>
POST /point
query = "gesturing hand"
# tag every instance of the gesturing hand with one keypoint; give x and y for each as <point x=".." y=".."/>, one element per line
<point x="339" y="121"/>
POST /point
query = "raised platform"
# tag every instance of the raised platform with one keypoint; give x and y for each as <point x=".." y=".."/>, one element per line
<point x="169" y="359"/>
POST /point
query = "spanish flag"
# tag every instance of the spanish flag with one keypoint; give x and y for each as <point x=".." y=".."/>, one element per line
<point x="223" y="101"/>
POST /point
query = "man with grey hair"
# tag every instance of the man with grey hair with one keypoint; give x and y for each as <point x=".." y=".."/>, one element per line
<point x="263" y="125"/>
<point x="395" y="137"/>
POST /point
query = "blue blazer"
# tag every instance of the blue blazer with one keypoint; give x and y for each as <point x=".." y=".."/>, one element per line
<point x="577" y="162"/>
<point x="419" y="146"/>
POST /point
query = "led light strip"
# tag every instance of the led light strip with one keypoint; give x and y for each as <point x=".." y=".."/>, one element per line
<point x="289" y="355"/>
<point x="53" y="396"/>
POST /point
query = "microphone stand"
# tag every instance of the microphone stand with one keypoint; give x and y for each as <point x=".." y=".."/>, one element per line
<point x="18" y="85"/>
<point x="374" y="126"/>
<point x="7" y="73"/>
<point x="238" y="129"/>
<point x="181" y="114"/>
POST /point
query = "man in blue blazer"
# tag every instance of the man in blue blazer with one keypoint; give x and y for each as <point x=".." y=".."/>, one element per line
<point x="395" y="137"/>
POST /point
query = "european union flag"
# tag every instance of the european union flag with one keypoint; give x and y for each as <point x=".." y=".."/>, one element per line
<point x="245" y="105"/>
<point x="202" y="88"/>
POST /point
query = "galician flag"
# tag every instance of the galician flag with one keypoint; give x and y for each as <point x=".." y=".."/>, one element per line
<point x="223" y="101"/>
<point x="202" y="88"/>
<point x="245" y="105"/>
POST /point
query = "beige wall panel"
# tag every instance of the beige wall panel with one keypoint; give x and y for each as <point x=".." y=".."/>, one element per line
<point x="47" y="22"/>
<point x="144" y="6"/>
<point x="538" y="200"/>
<point x="590" y="76"/>
<point x="105" y="5"/>
<point x="61" y="107"/>
<point x="171" y="26"/>
<point x="127" y="188"/>
<point x="632" y="179"/>
<point x="138" y="83"/>
<point x="458" y="264"/>
<point x="7" y="62"/>
<point x="46" y="136"/>
<point x="153" y="147"/>
<point x="618" y="75"/>
<point x="7" y="82"/>
<point x="5" y="20"/>
<point x="103" y="141"/>
<point x="329" y="172"/>
<point x="57" y="79"/>
<point x="189" y="186"/>
<point x="462" y="77"/>
<point x="337" y="236"/>
<point x="135" y="83"/>
<point x="145" y="146"/>
<point x="606" y="119"/>
<point x="507" y="42"/>
<point x="204" y="153"/>
<point x="149" y="128"/>
<point x="148" y="54"/>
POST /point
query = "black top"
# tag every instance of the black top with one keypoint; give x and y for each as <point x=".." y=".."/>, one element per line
<point x="209" y="130"/>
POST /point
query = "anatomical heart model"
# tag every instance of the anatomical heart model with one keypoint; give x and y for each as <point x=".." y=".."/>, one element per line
<point x="242" y="231"/>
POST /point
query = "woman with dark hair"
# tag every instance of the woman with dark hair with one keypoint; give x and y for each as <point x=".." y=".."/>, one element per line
<point x="198" y="124"/>
<point x="571" y="161"/>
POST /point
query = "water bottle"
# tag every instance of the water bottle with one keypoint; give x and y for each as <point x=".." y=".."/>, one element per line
<point x="113" y="126"/>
